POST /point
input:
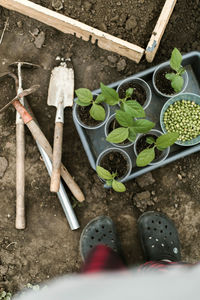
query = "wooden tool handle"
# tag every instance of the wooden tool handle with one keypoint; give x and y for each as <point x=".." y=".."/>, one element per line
<point x="20" y="181"/>
<point x="57" y="154"/>
<point x="41" y="139"/>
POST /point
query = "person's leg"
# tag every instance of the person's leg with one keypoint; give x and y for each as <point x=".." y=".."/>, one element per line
<point x="100" y="247"/>
<point x="159" y="240"/>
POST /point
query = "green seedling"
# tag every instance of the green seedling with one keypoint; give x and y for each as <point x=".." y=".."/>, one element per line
<point x="129" y="128"/>
<point x="161" y="143"/>
<point x="85" y="98"/>
<point x="110" y="179"/>
<point x="132" y="107"/>
<point x="176" y="77"/>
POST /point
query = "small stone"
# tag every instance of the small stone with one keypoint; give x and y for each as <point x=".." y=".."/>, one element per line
<point x="121" y="65"/>
<point x="142" y="200"/>
<point x="153" y="193"/>
<point x="8" y="216"/>
<point x="57" y="4"/>
<point x="39" y="40"/>
<point x="102" y="27"/>
<point x="112" y="59"/>
<point x="35" y="31"/>
<point x="3" y="166"/>
<point x="175" y="205"/>
<point x="145" y="180"/>
<point x="179" y="176"/>
<point x="19" y="24"/>
<point x="87" y="5"/>
<point x="131" y="23"/>
<point x="155" y="199"/>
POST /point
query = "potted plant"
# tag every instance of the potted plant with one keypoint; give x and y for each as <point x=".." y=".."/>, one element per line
<point x="91" y="112"/>
<point x="170" y="78"/>
<point x="141" y="91"/>
<point x="114" y="165"/>
<point x="122" y="127"/>
<point x="154" y="147"/>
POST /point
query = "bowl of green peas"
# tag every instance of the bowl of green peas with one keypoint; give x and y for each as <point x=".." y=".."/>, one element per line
<point x="181" y="114"/>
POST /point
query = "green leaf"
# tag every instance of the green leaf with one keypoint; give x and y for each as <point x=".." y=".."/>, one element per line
<point x="82" y="103"/>
<point x="177" y="83"/>
<point x="143" y="126"/>
<point x="150" y="140"/>
<point x="110" y="95"/>
<point x="176" y="59"/>
<point x="132" y="135"/>
<point x="129" y="92"/>
<point x="124" y="119"/>
<point x="100" y="98"/>
<point x="103" y="173"/>
<point x="170" y="76"/>
<point x="84" y="95"/>
<point x="166" y="140"/>
<point x="97" y="112"/>
<point x="145" y="157"/>
<point x="134" y="109"/>
<point x="181" y="70"/>
<point x="118" y="135"/>
<point x="118" y="186"/>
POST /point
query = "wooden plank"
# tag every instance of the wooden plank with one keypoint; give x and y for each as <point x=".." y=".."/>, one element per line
<point x="159" y="29"/>
<point x="71" y="26"/>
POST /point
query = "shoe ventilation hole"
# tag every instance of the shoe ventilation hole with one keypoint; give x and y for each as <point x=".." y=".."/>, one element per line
<point x="148" y="228"/>
<point x="92" y="237"/>
<point x="112" y="241"/>
<point x="90" y="246"/>
<point x="152" y="221"/>
<point x="104" y="234"/>
<point x="110" y="231"/>
<point x="161" y="231"/>
<point x="170" y="233"/>
<point x="99" y="240"/>
<point x="154" y="229"/>
<point x="166" y="226"/>
<point x="102" y="227"/>
<point x="165" y="237"/>
<point x="97" y="230"/>
<point x="159" y="222"/>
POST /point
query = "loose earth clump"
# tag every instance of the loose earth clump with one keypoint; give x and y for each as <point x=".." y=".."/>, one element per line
<point x="115" y="162"/>
<point x="142" y="144"/>
<point x="162" y="83"/>
<point x="139" y="94"/>
<point x="85" y="117"/>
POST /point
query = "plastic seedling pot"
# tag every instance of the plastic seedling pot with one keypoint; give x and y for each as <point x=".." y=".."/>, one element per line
<point x="107" y="125"/>
<point x="155" y="74"/>
<point x="164" y="154"/>
<point x="142" y="84"/>
<point x="77" y="117"/>
<point x="124" y="154"/>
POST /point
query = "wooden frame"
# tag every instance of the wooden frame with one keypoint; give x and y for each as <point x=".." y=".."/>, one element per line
<point x="81" y="30"/>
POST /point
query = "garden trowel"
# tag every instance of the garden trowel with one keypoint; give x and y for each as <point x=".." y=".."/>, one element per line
<point x="60" y="95"/>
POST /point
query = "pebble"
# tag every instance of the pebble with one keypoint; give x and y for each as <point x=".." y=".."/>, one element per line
<point x="3" y="166"/>
<point x="145" y="180"/>
<point x="19" y="24"/>
<point x="57" y="4"/>
<point x="131" y="23"/>
<point x="121" y="65"/>
<point x="112" y="59"/>
<point x="179" y="176"/>
<point x="35" y="31"/>
<point x="39" y="40"/>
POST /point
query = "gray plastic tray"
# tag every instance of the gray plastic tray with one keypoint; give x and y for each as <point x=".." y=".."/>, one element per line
<point x="94" y="141"/>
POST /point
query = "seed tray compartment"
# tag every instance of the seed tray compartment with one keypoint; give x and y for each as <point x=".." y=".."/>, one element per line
<point x="94" y="141"/>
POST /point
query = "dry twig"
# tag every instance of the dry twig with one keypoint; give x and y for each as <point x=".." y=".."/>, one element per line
<point x="5" y="26"/>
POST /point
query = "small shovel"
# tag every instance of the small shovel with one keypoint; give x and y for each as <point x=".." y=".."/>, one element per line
<point x="60" y="95"/>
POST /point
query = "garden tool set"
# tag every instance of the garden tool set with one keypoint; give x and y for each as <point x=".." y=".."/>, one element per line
<point x="63" y="93"/>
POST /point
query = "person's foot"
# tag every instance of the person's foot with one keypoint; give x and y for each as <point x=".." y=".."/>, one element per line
<point x="159" y="237"/>
<point x="99" y="231"/>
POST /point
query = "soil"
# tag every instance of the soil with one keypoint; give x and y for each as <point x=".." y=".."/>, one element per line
<point x="142" y="144"/>
<point x="162" y="83"/>
<point x="47" y="248"/>
<point x="115" y="162"/>
<point x="114" y="125"/>
<point x="83" y="112"/>
<point x="139" y="93"/>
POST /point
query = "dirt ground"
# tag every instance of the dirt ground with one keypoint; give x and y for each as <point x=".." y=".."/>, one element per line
<point x="47" y="247"/>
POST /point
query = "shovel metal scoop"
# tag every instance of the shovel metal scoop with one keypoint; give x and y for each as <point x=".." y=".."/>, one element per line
<point x="60" y="95"/>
